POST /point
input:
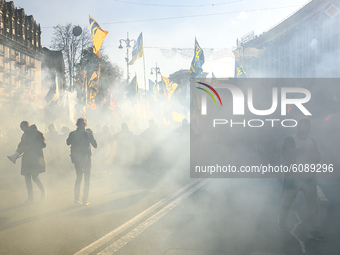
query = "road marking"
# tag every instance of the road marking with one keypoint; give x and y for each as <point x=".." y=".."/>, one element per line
<point x="108" y="237"/>
<point x="121" y="242"/>
<point x="292" y="232"/>
<point x="321" y="195"/>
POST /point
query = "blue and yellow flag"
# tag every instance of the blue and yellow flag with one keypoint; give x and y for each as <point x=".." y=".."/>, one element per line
<point x="98" y="36"/>
<point x="214" y="81"/>
<point x="93" y="89"/>
<point x="132" y="88"/>
<point x="94" y="83"/>
<point x="137" y="51"/>
<point x="239" y="71"/>
<point x="169" y="87"/>
<point x="153" y="90"/>
<point x="151" y="84"/>
<point x="197" y="61"/>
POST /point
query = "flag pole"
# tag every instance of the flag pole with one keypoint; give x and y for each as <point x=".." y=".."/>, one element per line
<point x="85" y="88"/>
<point x="144" y="82"/>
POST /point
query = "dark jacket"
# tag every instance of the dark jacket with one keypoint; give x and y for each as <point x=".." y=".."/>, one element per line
<point x="303" y="155"/>
<point x="81" y="141"/>
<point x="31" y="145"/>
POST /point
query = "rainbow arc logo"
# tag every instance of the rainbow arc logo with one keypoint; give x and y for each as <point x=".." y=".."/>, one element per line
<point x="209" y="93"/>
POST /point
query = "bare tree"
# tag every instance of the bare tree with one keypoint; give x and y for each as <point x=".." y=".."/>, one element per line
<point x="72" y="47"/>
<point x="110" y="74"/>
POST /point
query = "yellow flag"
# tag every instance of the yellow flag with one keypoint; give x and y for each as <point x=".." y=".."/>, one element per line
<point x="93" y="84"/>
<point x="169" y="87"/>
<point x="98" y="36"/>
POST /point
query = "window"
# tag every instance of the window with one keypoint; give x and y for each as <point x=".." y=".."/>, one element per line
<point x="1" y="24"/>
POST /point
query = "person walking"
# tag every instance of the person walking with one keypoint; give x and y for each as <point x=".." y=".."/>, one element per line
<point x="81" y="140"/>
<point x="33" y="161"/>
<point x="301" y="149"/>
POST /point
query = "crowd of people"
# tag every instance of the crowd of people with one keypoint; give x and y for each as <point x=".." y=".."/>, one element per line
<point x="151" y="151"/>
<point x="121" y="151"/>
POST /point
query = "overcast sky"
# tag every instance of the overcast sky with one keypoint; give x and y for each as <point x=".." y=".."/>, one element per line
<point x="165" y="24"/>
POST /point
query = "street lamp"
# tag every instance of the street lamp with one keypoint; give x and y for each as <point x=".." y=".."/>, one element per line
<point x="76" y="31"/>
<point x="157" y="71"/>
<point x="128" y="46"/>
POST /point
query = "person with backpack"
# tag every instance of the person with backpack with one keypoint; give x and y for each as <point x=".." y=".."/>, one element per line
<point x="81" y="140"/>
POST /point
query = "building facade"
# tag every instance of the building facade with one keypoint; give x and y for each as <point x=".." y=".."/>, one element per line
<point x="306" y="44"/>
<point x="20" y="56"/>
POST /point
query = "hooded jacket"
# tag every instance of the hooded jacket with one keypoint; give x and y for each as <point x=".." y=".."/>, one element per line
<point x="31" y="145"/>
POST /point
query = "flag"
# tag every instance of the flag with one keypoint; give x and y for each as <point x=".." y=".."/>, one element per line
<point x="214" y="81"/>
<point x="53" y="93"/>
<point x="153" y="90"/>
<point x="80" y="85"/>
<point x="197" y="61"/>
<point x="239" y="71"/>
<point x="137" y="51"/>
<point x="110" y="104"/>
<point x="98" y="35"/>
<point x="177" y="117"/>
<point x="187" y="95"/>
<point x="151" y="85"/>
<point x="132" y="88"/>
<point x="169" y="87"/>
<point x="93" y="84"/>
<point x="93" y="88"/>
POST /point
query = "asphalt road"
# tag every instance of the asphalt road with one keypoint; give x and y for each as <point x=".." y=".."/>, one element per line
<point x="237" y="217"/>
<point x="168" y="213"/>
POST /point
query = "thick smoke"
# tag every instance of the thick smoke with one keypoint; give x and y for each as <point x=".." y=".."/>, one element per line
<point x="139" y="154"/>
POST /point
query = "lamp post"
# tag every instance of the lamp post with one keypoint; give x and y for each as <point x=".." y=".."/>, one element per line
<point x="76" y="31"/>
<point x="157" y="71"/>
<point x="128" y="46"/>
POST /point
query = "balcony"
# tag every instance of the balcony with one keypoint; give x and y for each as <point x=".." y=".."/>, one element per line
<point x="20" y="77"/>
<point x="12" y="57"/>
<point x="29" y="79"/>
<point x="20" y="62"/>
<point x="6" y="60"/>
<point x="10" y="72"/>
<point x="32" y="64"/>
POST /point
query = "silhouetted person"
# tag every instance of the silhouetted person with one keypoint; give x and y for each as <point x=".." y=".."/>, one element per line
<point x="65" y="131"/>
<point x="151" y="131"/>
<point x="104" y="139"/>
<point x="125" y="144"/>
<point x="64" y="153"/>
<point x="148" y="145"/>
<point x="33" y="161"/>
<point x="52" y="153"/>
<point x="182" y="134"/>
<point x="300" y="149"/>
<point x="184" y="130"/>
<point x="81" y="141"/>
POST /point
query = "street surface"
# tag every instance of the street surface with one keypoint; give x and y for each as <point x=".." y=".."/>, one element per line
<point x="168" y="213"/>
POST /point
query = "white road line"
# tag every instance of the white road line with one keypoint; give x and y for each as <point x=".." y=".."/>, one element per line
<point x="292" y="232"/>
<point x="121" y="242"/>
<point x="108" y="237"/>
<point x="321" y="195"/>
